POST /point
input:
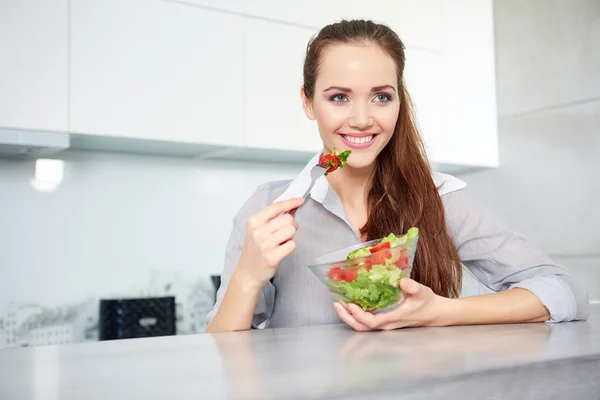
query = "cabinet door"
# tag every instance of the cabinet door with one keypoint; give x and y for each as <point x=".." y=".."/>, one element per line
<point x="423" y="78"/>
<point x="154" y="69"/>
<point x="235" y="6"/>
<point x="274" y="115"/>
<point x="33" y="64"/>
<point x="417" y="22"/>
<point x="471" y="134"/>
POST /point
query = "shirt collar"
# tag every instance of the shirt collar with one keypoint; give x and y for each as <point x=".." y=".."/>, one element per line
<point x="302" y="182"/>
<point x="446" y="183"/>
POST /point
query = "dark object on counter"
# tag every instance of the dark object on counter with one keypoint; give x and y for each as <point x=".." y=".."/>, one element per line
<point x="137" y="318"/>
<point x="216" y="281"/>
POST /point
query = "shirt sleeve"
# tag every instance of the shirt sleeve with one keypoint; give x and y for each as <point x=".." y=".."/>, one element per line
<point x="266" y="298"/>
<point x="502" y="259"/>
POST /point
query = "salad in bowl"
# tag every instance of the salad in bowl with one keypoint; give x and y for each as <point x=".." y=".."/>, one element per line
<point x="368" y="274"/>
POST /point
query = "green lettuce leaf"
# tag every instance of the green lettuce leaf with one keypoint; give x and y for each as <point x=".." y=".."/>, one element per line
<point x="371" y="290"/>
<point x="362" y="252"/>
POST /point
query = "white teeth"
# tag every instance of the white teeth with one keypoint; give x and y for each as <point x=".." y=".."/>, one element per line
<point x="358" y="140"/>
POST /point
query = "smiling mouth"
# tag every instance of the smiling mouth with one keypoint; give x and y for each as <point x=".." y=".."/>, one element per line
<point x="359" y="139"/>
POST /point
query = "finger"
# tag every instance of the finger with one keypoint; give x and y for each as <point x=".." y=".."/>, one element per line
<point x="410" y="286"/>
<point x="277" y="223"/>
<point x="345" y="305"/>
<point x="373" y="321"/>
<point x="349" y="320"/>
<point x="277" y="208"/>
<point x="280" y="252"/>
<point x="396" y="325"/>
<point x="281" y="236"/>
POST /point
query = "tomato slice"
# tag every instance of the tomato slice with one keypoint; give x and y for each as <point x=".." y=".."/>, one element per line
<point x="380" y="257"/>
<point x="351" y="273"/>
<point x="336" y="274"/>
<point x="379" y="247"/>
<point x="350" y="276"/>
<point x="343" y="274"/>
<point x="402" y="263"/>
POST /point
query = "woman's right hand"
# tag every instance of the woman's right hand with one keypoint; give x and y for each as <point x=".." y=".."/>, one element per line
<point x="269" y="239"/>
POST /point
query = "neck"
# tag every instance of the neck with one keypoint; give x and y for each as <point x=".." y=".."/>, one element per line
<point x="351" y="185"/>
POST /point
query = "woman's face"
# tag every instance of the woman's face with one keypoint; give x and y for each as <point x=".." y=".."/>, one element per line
<point x="356" y="101"/>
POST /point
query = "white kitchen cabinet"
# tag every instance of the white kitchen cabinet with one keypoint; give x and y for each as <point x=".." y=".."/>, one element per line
<point x="423" y="78"/>
<point x="470" y="135"/>
<point x="234" y="6"/>
<point x="418" y="23"/>
<point x="190" y="77"/>
<point x="274" y="116"/>
<point x="33" y="64"/>
<point x="159" y="70"/>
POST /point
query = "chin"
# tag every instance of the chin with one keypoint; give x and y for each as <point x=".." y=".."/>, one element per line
<point x="360" y="161"/>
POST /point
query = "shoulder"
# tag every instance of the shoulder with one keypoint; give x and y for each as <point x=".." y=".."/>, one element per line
<point x="459" y="207"/>
<point x="263" y="196"/>
<point x="446" y="183"/>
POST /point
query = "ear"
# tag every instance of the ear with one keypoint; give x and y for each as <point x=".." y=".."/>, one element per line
<point x="307" y="105"/>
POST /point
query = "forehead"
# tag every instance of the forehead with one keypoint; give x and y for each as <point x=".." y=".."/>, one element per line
<point x="356" y="66"/>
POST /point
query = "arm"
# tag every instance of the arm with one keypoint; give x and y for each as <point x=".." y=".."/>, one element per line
<point x="240" y="306"/>
<point x="246" y="297"/>
<point x="531" y="287"/>
<point x="514" y="305"/>
<point x="422" y="307"/>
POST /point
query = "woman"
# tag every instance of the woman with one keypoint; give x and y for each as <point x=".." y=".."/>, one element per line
<point x="353" y="88"/>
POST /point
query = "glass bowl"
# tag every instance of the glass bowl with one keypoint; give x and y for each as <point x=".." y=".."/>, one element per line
<point x="370" y="281"/>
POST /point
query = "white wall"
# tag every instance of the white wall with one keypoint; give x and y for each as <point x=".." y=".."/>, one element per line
<point x="548" y="83"/>
<point x="114" y="219"/>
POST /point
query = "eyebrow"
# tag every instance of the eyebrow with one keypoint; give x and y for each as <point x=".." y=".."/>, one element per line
<point x="348" y="90"/>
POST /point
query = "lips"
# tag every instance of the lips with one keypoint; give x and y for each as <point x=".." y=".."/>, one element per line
<point x="358" y="140"/>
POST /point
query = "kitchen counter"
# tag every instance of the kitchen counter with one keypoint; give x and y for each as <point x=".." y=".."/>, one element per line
<point x="525" y="361"/>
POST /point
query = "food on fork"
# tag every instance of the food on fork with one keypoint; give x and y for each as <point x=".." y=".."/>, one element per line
<point x="334" y="160"/>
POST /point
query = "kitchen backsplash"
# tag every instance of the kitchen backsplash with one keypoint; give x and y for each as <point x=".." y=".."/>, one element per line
<point x="117" y="226"/>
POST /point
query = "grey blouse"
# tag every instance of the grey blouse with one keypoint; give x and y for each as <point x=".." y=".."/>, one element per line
<point x="494" y="259"/>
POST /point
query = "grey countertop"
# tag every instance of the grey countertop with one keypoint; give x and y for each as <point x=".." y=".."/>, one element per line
<point x="525" y="361"/>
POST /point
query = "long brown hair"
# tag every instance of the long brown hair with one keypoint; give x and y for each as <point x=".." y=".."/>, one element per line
<point x="402" y="192"/>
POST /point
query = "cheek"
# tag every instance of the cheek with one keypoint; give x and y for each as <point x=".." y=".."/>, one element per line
<point x="387" y="119"/>
<point x="330" y="118"/>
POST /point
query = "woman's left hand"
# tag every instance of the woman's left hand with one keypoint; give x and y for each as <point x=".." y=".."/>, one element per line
<point x="421" y="307"/>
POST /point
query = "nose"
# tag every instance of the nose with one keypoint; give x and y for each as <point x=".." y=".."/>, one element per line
<point x="360" y="117"/>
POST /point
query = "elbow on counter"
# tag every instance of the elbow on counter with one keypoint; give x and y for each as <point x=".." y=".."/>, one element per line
<point x="564" y="298"/>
